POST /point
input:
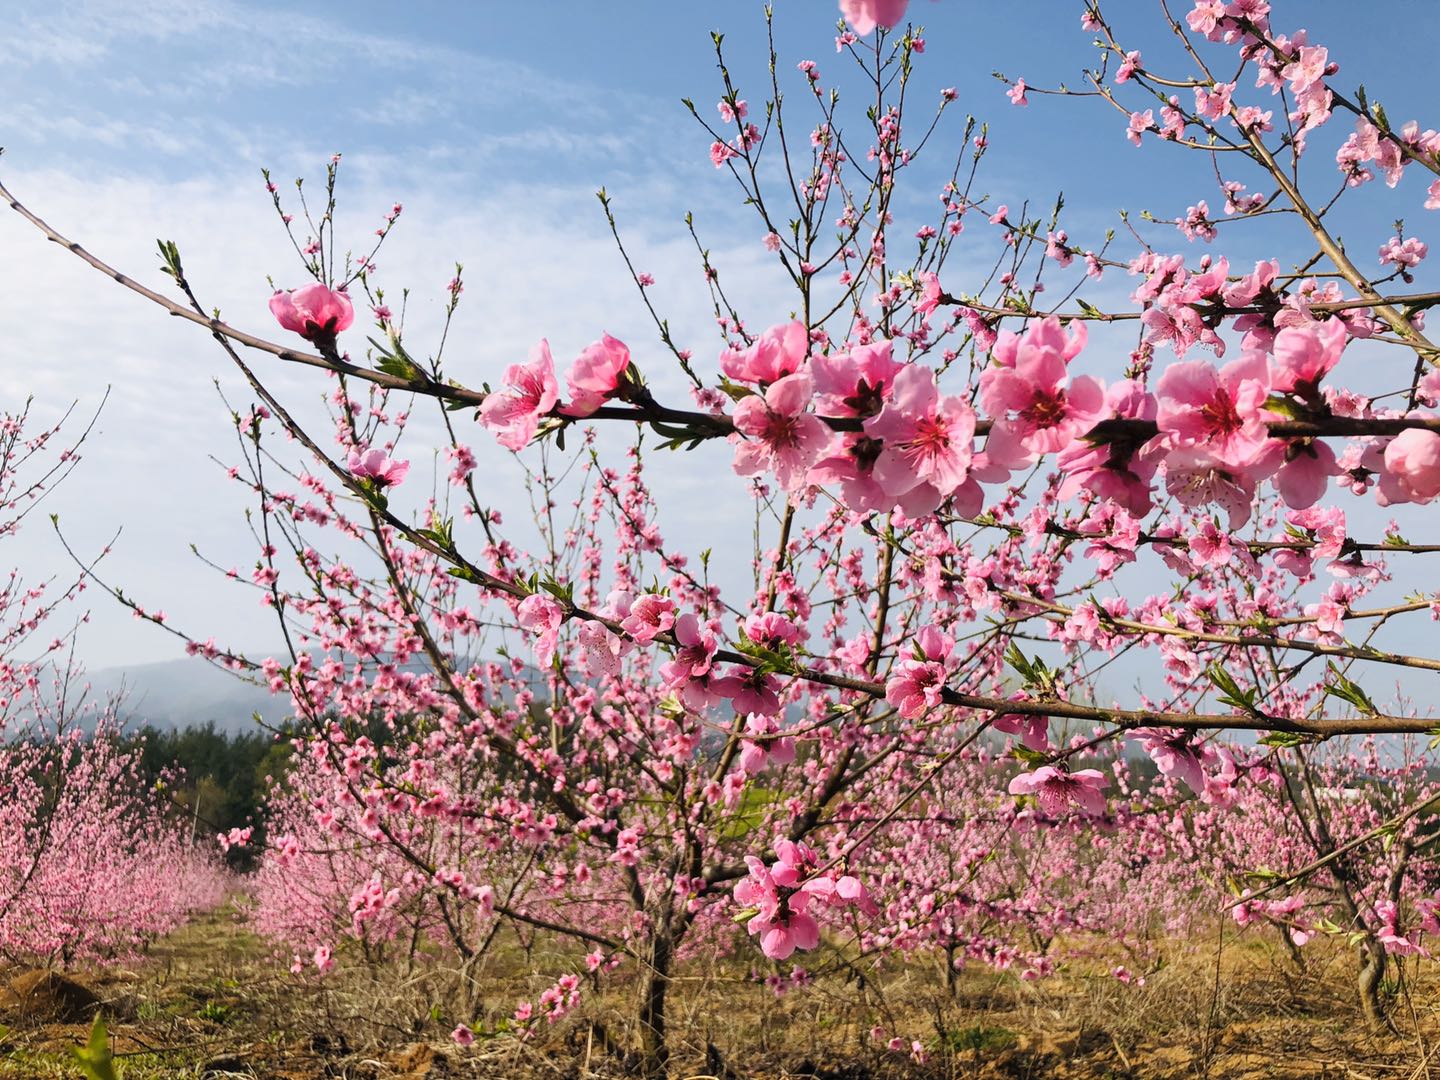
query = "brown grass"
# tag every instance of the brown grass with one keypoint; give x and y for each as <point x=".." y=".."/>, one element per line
<point x="213" y="1001"/>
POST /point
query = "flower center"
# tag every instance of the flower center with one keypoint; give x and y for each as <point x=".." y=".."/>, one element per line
<point x="1220" y="411"/>
<point x="1046" y="410"/>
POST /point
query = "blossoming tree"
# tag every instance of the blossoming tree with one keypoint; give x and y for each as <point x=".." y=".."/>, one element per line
<point x="967" y="510"/>
<point x="91" y="865"/>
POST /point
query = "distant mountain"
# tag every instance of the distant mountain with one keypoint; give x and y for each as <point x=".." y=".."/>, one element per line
<point x="189" y="692"/>
<point x="185" y="693"/>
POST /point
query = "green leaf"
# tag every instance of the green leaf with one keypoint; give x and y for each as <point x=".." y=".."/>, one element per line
<point x="170" y="254"/>
<point x="394" y="360"/>
<point x="1230" y="692"/>
<point x="401" y="369"/>
<point x="565" y="592"/>
<point x="1284" y="406"/>
<point x="440" y="532"/>
<point x="1017" y="660"/>
<point x="373" y="494"/>
<point x="1345" y="690"/>
<point x="1286" y="739"/>
<point x="95" y="1058"/>
<point x="734" y="391"/>
<point x="781" y="659"/>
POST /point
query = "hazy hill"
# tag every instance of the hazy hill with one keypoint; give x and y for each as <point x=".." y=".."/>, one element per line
<point x="186" y="693"/>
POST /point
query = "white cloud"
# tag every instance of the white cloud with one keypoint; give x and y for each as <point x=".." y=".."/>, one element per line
<point x="539" y="262"/>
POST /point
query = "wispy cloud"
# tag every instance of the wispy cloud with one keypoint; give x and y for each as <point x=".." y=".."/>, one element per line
<point x="534" y="268"/>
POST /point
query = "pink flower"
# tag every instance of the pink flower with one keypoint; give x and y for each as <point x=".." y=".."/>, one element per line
<point x="729" y="112"/>
<point x="462" y="1035"/>
<point x="1213" y="102"/>
<point x="1305" y="471"/>
<point x="1115" y="534"/>
<point x="601" y="648"/>
<point x="1016" y="93"/>
<point x="1307" y="68"/>
<point x="1140" y="122"/>
<point x="515" y="417"/>
<point x="1119" y="469"/>
<point x="1412" y="468"/>
<point x="539" y="613"/>
<point x="1210" y="546"/>
<point x="783" y="437"/>
<point x="925" y="438"/>
<point x="918" y="683"/>
<point x="376" y="465"/>
<point x="783" y="897"/>
<point x="1056" y="790"/>
<point x="694" y="655"/>
<point x="1305" y="354"/>
<point x="1037" y="407"/>
<point x="854" y="383"/>
<point x="315" y="312"/>
<point x="764" y="746"/>
<point x="1175" y="754"/>
<point x="1326" y="527"/>
<point x="930" y="294"/>
<point x="851" y="890"/>
<point x="235" y="838"/>
<point x="1057" y="247"/>
<point x="773" y="630"/>
<point x="1390" y="936"/>
<point x="794" y="930"/>
<point x="782" y="920"/>
<point x="864" y="15"/>
<point x="323" y="960"/>
<point x="1428" y="910"/>
<point x="596" y="375"/>
<point x="1196" y="479"/>
<point x="650" y="615"/>
<point x="778" y="352"/>
<point x="1328" y="617"/>
<point x="1221" y="411"/>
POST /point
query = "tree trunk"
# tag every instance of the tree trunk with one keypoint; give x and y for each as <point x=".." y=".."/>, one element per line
<point x="1372" y="973"/>
<point x="655" y="1054"/>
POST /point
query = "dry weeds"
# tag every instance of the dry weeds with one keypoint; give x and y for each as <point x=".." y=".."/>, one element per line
<point x="212" y="1001"/>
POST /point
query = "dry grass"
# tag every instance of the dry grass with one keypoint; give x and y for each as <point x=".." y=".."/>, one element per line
<point x="213" y="1001"/>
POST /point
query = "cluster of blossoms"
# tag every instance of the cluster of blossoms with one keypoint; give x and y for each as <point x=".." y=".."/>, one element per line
<point x="958" y="483"/>
<point x="881" y="430"/>
<point x="870" y="422"/>
<point x="785" y="892"/>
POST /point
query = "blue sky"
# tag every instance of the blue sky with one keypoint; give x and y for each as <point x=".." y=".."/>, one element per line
<point x="494" y="124"/>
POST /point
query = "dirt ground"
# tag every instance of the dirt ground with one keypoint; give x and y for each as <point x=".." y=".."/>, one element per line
<point x="212" y="1001"/>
